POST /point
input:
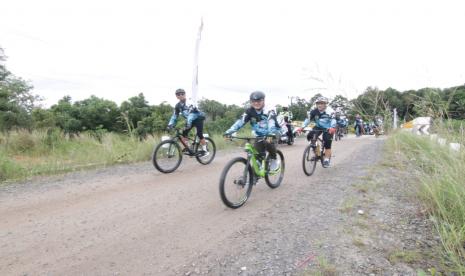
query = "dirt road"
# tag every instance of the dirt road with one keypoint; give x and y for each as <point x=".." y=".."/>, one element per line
<point x="133" y="220"/>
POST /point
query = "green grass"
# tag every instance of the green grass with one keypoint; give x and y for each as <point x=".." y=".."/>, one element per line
<point x="404" y="256"/>
<point x="24" y="154"/>
<point x="441" y="174"/>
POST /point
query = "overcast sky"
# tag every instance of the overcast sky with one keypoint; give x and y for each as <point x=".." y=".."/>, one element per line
<point x="117" y="49"/>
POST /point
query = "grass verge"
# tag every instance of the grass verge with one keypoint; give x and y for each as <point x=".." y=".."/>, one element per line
<point x="441" y="175"/>
<point x="24" y="154"/>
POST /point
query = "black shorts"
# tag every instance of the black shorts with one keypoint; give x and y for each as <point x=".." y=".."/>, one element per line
<point x="198" y="124"/>
<point x="327" y="138"/>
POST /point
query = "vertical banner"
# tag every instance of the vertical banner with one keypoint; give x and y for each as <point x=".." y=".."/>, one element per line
<point x="195" y="80"/>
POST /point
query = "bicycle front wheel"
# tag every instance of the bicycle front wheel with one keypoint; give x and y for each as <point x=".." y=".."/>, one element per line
<point x="206" y="157"/>
<point x="274" y="179"/>
<point x="309" y="160"/>
<point x="236" y="183"/>
<point x="167" y="156"/>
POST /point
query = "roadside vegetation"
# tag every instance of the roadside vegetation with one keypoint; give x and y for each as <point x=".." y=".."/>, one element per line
<point x="441" y="177"/>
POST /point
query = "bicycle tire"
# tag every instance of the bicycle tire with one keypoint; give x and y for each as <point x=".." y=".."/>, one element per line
<point x="224" y="173"/>
<point x="157" y="164"/>
<point x="306" y="160"/>
<point x="212" y="152"/>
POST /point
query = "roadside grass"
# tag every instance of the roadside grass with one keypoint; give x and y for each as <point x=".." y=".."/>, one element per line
<point x="348" y="205"/>
<point x="404" y="256"/>
<point x="25" y="154"/>
<point x="441" y="174"/>
<point x="324" y="268"/>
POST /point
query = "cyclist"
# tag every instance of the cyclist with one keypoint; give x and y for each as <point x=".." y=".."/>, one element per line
<point x="340" y="122"/>
<point x="194" y="118"/>
<point x="263" y="124"/>
<point x="358" y="124"/>
<point x="323" y="124"/>
<point x="287" y="115"/>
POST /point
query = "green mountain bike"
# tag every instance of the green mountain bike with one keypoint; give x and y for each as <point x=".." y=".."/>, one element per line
<point x="240" y="174"/>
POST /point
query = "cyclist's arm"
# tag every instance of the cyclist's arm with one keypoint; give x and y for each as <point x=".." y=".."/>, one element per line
<point x="238" y="124"/>
<point x="174" y="117"/>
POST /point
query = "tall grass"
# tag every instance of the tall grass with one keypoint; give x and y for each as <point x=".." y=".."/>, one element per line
<point x="24" y="154"/>
<point x="442" y="176"/>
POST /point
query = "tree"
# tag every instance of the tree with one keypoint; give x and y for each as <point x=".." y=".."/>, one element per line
<point x="16" y="99"/>
<point x="97" y="113"/>
<point x="340" y="103"/>
<point x="135" y="110"/>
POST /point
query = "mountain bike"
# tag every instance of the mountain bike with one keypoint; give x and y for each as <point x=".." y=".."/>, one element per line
<point x="167" y="155"/>
<point x="240" y="174"/>
<point x="339" y="133"/>
<point x="313" y="153"/>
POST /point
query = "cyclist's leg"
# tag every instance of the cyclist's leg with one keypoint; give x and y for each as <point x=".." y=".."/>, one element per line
<point x="185" y="134"/>
<point x="328" y="140"/>
<point x="199" y="127"/>
<point x="261" y="148"/>
<point x="271" y="148"/>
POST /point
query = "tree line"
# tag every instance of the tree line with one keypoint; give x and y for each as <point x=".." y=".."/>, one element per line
<point x="20" y="109"/>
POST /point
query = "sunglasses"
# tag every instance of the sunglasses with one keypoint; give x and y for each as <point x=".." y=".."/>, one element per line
<point x="256" y="101"/>
<point x="180" y="94"/>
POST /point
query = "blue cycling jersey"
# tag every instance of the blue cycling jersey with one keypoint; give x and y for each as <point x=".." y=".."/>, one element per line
<point x="189" y="112"/>
<point x="322" y="119"/>
<point x="262" y="123"/>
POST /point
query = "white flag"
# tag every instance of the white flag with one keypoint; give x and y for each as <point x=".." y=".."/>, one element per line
<point x="195" y="80"/>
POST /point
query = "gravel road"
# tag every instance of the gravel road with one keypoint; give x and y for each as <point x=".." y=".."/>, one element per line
<point x="133" y="220"/>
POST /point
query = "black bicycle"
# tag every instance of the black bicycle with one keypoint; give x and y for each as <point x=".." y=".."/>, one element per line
<point x="339" y="133"/>
<point x="313" y="153"/>
<point x="240" y="174"/>
<point x="167" y="155"/>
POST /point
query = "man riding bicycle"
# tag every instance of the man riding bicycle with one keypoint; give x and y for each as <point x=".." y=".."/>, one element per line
<point x="263" y="124"/>
<point x="323" y="124"/>
<point x="341" y="123"/>
<point x="193" y="116"/>
<point x="358" y="125"/>
<point x="287" y="116"/>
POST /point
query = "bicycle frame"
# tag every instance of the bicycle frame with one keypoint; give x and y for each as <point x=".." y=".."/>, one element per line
<point x="252" y="160"/>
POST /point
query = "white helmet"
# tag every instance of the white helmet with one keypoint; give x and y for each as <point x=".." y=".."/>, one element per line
<point x="322" y="100"/>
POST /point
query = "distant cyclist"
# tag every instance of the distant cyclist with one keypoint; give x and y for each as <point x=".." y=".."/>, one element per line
<point x="263" y="124"/>
<point x="341" y="123"/>
<point x="358" y="125"/>
<point x="287" y="116"/>
<point x="194" y="118"/>
<point x="323" y="124"/>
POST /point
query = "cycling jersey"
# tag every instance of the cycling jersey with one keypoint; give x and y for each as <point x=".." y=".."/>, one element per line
<point x="322" y="119"/>
<point x="262" y="123"/>
<point x="189" y="112"/>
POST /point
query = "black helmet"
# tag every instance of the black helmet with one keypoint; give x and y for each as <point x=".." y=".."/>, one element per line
<point x="285" y="108"/>
<point x="180" y="91"/>
<point x="257" y="95"/>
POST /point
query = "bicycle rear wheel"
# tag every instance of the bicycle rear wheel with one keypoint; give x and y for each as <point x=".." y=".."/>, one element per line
<point x="236" y="183"/>
<point x="274" y="179"/>
<point x="167" y="156"/>
<point x="309" y="160"/>
<point x="211" y="152"/>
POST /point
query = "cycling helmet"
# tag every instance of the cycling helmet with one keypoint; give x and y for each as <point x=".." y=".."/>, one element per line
<point x="180" y="91"/>
<point x="285" y="108"/>
<point x="257" y="95"/>
<point x="322" y="100"/>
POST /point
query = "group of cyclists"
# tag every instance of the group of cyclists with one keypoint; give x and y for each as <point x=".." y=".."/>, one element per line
<point x="264" y="123"/>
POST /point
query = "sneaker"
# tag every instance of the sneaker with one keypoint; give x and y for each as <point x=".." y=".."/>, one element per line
<point x="274" y="164"/>
<point x="326" y="163"/>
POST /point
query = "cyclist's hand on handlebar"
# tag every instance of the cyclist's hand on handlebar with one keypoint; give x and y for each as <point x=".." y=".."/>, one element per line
<point x="169" y="127"/>
<point x="331" y="130"/>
